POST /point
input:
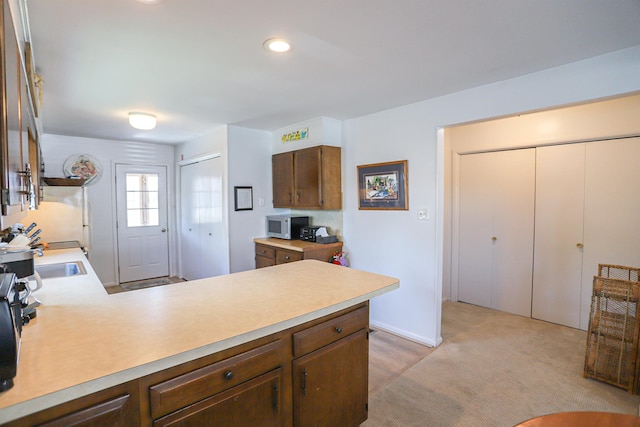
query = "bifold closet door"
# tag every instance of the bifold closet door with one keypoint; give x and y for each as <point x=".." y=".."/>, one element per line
<point x="557" y="270"/>
<point x="495" y="247"/>
<point x="611" y="210"/>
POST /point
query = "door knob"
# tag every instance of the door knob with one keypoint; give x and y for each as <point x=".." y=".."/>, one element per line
<point x="494" y="238"/>
<point x="164" y="230"/>
<point x="579" y="246"/>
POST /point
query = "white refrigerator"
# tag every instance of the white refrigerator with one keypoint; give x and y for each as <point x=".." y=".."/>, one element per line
<point x="63" y="215"/>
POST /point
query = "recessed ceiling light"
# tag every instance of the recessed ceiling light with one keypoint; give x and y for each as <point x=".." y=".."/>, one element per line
<point x="142" y="121"/>
<point x="277" y="45"/>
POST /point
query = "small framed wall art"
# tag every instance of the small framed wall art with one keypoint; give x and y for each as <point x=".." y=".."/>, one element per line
<point x="383" y="186"/>
<point x="243" y="198"/>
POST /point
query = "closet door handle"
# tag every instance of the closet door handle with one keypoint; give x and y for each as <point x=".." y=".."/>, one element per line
<point x="579" y="246"/>
<point x="494" y="238"/>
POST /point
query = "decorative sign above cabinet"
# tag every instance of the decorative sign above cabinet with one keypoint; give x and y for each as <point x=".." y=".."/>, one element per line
<point x="296" y="135"/>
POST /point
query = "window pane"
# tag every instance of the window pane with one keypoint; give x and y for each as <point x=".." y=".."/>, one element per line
<point x="152" y="182"/>
<point x="152" y="200"/>
<point x="133" y="200"/>
<point x="133" y="182"/>
<point x="142" y="200"/>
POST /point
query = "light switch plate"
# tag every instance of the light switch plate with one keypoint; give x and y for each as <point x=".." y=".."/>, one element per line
<point x="423" y="214"/>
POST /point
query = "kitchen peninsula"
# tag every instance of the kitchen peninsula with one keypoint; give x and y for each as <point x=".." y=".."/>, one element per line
<point x="237" y="348"/>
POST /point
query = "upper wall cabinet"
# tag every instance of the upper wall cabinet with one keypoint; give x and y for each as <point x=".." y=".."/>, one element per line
<point x="15" y="179"/>
<point x="308" y="179"/>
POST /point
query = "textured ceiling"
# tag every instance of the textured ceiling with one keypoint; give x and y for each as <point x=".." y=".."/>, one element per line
<point x="198" y="64"/>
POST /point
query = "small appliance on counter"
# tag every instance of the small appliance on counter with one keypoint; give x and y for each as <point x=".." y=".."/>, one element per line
<point x="317" y="234"/>
<point x="309" y="232"/>
<point x="12" y="301"/>
<point x="285" y="226"/>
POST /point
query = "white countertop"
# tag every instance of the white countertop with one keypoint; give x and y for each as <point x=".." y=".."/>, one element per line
<point x="84" y="340"/>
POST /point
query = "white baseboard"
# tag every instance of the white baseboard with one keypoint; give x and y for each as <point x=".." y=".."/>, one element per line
<point x="404" y="334"/>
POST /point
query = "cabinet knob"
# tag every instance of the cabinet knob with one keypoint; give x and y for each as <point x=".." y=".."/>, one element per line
<point x="338" y="329"/>
<point x="228" y="375"/>
<point x="286" y="257"/>
<point x="579" y="246"/>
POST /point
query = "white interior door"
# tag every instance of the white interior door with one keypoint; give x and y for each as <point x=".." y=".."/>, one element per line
<point x="202" y="248"/>
<point x="141" y="203"/>
<point x="612" y="211"/>
<point x="496" y="213"/>
<point x="559" y="211"/>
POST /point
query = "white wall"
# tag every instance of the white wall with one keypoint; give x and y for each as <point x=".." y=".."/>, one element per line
<point x="249" y="165"/>
<point x="396" y="243"/>
<point x="57" y="148"/>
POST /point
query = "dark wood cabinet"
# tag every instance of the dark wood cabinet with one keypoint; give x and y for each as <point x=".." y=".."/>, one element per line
<point x="308" y="179"/>
<point x="18" y="135"/>
<point x="256" y="402"/>
<point x="117" y="407"/>
<point x="282" y="176"/>
<point x="269" y="253"/>
<point x="330" y="383"/>
<point x="191" y="387"/>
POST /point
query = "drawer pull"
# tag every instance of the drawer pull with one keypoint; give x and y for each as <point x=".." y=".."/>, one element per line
<point x="228" y="375"/>
<point x="276" y="396"/>
<point x="287" y="257"/>
<point x="304" y="382"/>
<point x="338" y="329"/>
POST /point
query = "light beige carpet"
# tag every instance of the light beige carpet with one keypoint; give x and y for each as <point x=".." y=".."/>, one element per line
<point x="495" y="369"/>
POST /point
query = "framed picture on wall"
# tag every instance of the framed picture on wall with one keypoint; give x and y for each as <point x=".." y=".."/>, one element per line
<point x="243" y="198"/>
<point x="383" y="186"/>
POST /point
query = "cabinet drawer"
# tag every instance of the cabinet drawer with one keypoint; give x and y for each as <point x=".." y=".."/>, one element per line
<point x="256" y="402"/>
<point x="194" y="386"/>
<point x="283" y="257"/>
<point x="265" y="251"/>
<point x="327" y="332"/>
<point x="112" y="412"/>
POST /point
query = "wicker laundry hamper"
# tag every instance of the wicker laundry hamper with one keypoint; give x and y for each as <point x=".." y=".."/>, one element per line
<point x="613" y="334"/>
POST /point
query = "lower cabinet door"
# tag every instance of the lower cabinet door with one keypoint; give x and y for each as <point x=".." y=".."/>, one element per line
<point x="330" y="385"/>
<point x="254" y="403"/>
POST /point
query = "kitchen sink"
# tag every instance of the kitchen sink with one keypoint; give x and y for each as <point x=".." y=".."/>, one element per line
<point x="60" y="269"/>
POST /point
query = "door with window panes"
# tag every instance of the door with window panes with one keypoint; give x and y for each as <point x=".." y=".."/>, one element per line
<point x="141" y="201"/>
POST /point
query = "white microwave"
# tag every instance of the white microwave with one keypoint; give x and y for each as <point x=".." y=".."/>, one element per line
<point x="285" y="226"/>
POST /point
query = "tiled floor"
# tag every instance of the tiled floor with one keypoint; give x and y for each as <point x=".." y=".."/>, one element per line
<point x="141" y="284"/>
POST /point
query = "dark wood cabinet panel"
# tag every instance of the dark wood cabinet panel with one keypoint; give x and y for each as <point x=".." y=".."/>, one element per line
<point x="327" y="332"/>
<point x="109" y="413"/>
<point x="11" y="137"/>
<point x="257" y="402"/>
<point x="330" y="384"/>
<point x="308" y="179"/>
<point x="284" y="256"/>
<point x="193" y="386"/>
<point x="267" y="255"/>
<point x="117" y="406"/>
<point x="282" y="175"/>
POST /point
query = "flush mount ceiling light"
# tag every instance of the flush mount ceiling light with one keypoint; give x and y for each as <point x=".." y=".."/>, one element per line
<point x="143" y="121"/>
<point x="277" y="45"/>
<point x="150" y="1"/>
